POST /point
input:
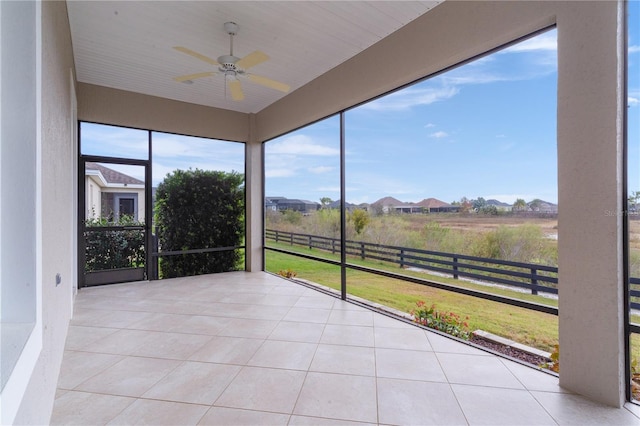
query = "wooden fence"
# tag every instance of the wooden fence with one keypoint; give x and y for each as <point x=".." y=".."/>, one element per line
<point x="529" y="276"/>
<point x="535" y="278"/>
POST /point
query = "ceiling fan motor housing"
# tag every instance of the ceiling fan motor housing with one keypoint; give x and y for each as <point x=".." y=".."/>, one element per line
<point x="231" y="28"/>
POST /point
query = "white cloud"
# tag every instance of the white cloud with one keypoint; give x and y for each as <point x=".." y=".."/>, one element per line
<point x="320" y="169"/>
<point x="631" y="101"/>
<point x="276" y="173"/>
<point x="547" y="41"/>
<point x="411" y="97"/>
<point x="634" y="49"/>
<point x="439" y="135"/>
<point x="300" y="145"/>
<point x="429" y="125"/>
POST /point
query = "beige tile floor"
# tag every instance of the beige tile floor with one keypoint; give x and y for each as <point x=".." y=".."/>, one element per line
<point x="252" y="348"/>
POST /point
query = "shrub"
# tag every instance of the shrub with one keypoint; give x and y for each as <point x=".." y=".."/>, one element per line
<point x="360" y="219"/>
<point x="198" y="209"/>
<point x="113" y="249"/>
<point x="447" y="322"/>
<point x="292" y="216"/>
<point x="525" y="243"/>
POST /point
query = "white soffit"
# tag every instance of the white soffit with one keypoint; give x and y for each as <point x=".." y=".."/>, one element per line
<point x="129" y="45"/>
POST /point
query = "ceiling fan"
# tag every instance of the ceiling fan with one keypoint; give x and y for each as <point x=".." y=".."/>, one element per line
<point x="232" y="67"/>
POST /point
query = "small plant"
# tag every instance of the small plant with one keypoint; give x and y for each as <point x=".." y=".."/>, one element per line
<point x="554" y="364"/>
<point x="447" y="322"/>
<point x="287" y="273"/>
<point x="635" y="379"/>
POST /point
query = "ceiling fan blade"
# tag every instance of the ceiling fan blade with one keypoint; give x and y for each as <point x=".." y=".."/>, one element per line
<point x="269" y="83"/>
<point x="194" y="76"/>
<point x="236" y="90"/>
<point x="196" y="55"/>
<point x="252" y="59"/>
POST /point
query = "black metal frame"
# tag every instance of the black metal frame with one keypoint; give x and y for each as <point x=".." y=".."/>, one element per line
<point x="82" y="160"/>
<point x="151" y="256"/>
<point x="626" y="285"/>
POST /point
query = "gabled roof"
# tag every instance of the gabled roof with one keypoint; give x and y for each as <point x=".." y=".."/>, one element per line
<point x="111" y="176"/>
<point x="388" y="201"/>
<point x="336" y="205"/>
<point x="497" y="203"/>
<point x="432" y="203"/>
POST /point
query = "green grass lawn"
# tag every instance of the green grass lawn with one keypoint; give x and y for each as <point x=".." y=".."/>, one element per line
<point x="525" y="326"/>
<point x="521" y="325"/>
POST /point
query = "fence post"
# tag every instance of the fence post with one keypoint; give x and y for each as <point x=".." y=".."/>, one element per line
<point x="291" y="238"/>
<point x="310" y="242"/>
<point x="402" y="258"/>
<point x="333" y="246"/>
<point x="362" y="251"/>
<point x="534" y="281"/>
<point x="455" y="268"/>
<point x="277" y="235"/>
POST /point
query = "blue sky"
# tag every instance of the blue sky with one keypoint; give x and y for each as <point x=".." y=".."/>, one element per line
<point x="170" y="152"/>
<point x="485" y="129"/>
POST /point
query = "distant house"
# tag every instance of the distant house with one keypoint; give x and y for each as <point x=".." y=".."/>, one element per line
<point x="271" y="203"/>
<point x="111" y="194"/>
<point x="391" y="205"/>
<point x="504" y="207"/>
<point x="348" y="206"/>
<point x="433" y="205"/>
<point x="428" y="205"/>
<point x="542" y="206"/>
<point x="282" y="204"/>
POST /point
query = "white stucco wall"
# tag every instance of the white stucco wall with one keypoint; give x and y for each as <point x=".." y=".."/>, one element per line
<point x="21" y="325"/>
<point x="28" y="399"/>
<point x="92" y="191"/>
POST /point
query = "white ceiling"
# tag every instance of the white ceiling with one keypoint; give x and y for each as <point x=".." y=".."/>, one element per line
<point x="129" y="45"/>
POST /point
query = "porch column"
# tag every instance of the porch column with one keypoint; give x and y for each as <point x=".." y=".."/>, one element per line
<point x="254" y="200"/>
<point x="591" y="101"/>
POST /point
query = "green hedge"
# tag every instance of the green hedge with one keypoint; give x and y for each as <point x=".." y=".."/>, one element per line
<point x="198" y="209"/>
<point x="113" y="249"/>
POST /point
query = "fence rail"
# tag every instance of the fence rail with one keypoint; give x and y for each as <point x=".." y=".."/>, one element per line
<point x="528" y="276"/>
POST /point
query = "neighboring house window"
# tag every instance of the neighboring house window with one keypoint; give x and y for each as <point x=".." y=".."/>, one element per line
<point x="115" y="205"/>
<point x="125" y="205"/>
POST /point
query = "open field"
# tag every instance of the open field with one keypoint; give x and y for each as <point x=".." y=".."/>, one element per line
<point x="481" y="223"/>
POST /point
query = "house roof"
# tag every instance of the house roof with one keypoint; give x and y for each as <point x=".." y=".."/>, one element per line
<point x="497" y="203"/>
<point x="432" y="203"/>
<point x="112" y="176"/>
<point x="388" y="201"/>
